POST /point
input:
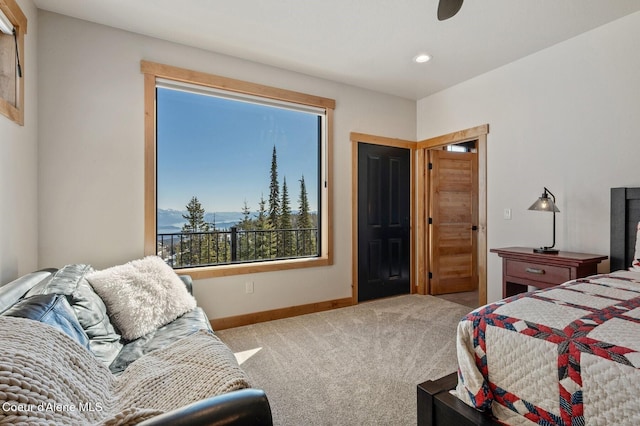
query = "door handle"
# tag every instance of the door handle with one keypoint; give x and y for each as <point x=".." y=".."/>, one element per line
<point x="474" y="228"/>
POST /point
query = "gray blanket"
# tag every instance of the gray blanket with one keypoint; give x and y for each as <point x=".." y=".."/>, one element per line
<point x="47" y="378"/>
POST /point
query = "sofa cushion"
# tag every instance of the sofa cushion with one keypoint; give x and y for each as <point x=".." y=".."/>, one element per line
<point x="142" y="295"/>
<point x="13" y="291"/>
<point x="91" y="312"/>
<point x="52" y="309"/>
<point x="183" y="326"/>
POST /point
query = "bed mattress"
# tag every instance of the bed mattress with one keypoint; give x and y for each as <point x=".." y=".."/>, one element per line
<point x="567" y="355"/>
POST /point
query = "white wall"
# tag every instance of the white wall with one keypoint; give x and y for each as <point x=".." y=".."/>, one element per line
<point x="91" y="155"/>
<point x="19" y="169"/>
<point x="565" y="118"/>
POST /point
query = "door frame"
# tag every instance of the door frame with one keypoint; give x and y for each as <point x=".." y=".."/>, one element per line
<point x="478" y="134"/>
<point x="419" y="203"/>
<point x="357" y="138"/>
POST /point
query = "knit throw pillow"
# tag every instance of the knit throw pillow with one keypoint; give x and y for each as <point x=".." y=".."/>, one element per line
<point x="141" y="295"/>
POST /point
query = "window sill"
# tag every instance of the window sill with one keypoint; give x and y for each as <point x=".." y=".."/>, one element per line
<point x="253" y="268"/>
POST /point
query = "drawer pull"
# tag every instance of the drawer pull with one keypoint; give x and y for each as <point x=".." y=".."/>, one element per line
<point x="535" y="271"/>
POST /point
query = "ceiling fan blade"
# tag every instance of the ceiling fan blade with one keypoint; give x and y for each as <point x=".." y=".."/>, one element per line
<point x="448" y="8"/>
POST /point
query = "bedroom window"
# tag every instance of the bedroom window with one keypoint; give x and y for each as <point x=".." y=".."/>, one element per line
<point x="237" y="174"/>
<point x="13" y="27"/>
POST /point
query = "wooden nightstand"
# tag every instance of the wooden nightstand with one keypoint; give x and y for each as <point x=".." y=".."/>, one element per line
<point x="521" y="267"/>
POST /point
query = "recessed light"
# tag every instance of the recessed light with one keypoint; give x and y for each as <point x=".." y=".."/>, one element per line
<point x="422" y="58"/>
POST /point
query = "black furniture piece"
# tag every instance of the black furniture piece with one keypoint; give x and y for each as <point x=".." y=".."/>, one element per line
<point x="245" y="407"/>
<point x="625" y="214"/>
<point x="437" y="406"/>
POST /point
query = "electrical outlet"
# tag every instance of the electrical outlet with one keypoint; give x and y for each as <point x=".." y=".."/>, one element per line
<point x="248" y="287"/>
<point x="507" y="214"/>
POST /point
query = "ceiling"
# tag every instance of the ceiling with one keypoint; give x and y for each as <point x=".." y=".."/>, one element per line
<point x="366" y="43"/>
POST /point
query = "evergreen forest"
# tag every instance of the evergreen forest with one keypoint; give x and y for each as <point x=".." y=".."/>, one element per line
<point x="274" y="231"/>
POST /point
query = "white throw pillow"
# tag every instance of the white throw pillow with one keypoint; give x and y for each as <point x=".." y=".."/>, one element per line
<point x="141" y="295"/>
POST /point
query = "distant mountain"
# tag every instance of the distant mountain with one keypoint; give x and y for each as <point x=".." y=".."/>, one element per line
<point x="170" y="221"/>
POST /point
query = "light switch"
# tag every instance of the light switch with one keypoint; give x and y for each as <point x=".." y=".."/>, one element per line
<point x="507" y="214"/>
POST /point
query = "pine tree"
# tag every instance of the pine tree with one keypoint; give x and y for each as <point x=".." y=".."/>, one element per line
<point x="265" y="241"/>
<point x="194" y="217"/>
<point x="274" y="190"/>
<point x="216" y="252"/>
<point x="245" y="238"/>
<point x="288" y="240"/>
<point x="195" y="249"/>
<point x="307" y="240"/>
<point x="304" y="221"/>
<point x="246" y="222"/>
<point x="261" y="219"/>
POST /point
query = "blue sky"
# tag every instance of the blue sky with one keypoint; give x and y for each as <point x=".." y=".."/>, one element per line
<point x="220" y="150"/>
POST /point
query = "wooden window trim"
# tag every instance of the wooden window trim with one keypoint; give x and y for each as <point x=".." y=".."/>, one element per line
<point x="153" y="71"/>
<point x="13" y="12"/>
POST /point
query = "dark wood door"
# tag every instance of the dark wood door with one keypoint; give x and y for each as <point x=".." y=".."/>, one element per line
<point x="454" y="217"/>
<point x="384" y="204"/>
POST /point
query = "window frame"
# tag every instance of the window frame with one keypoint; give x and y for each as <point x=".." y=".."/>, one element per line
<point x="13" y="12"/>
<point x="153" y="71"/>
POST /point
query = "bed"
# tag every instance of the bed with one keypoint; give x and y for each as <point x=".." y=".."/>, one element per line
<point x="567" y="355"/>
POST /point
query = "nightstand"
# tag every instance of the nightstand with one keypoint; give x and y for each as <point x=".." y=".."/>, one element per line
<point x="521" y="267"/>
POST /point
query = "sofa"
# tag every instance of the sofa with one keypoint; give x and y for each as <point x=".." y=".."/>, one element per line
<point x="77" y="350"/>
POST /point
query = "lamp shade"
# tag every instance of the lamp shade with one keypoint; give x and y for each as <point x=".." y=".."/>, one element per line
<point x="544" y="204"/>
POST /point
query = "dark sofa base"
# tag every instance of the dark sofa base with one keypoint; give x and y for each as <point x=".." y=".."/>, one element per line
<point x="246" y="407"/>
<point x="437" y="406"/>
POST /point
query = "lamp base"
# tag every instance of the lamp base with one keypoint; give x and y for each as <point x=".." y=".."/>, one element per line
<point x="546" y="250"/>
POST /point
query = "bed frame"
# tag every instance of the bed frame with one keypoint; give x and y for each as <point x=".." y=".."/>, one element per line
<point x="438" y="407"/>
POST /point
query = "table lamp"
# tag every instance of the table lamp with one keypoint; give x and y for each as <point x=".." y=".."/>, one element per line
<point x="546" y="204"/>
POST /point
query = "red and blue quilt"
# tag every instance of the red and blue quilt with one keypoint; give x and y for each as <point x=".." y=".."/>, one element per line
<point x="566" y="355"/>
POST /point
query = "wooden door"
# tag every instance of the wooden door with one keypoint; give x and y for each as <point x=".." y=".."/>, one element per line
<point x="453" y="219"/>
<point x="384" y="204"/>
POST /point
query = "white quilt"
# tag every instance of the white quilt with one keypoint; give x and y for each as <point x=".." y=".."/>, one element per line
<point x="567" y="355"/>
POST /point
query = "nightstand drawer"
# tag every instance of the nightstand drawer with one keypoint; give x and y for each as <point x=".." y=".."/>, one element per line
<point x="537" y="272"/>
<point x="523" y="267"/>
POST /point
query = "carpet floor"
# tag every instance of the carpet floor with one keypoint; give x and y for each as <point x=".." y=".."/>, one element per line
<point x="351" y="366"/>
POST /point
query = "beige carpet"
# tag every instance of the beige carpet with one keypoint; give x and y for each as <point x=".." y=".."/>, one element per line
<point x="352" y="366"/>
